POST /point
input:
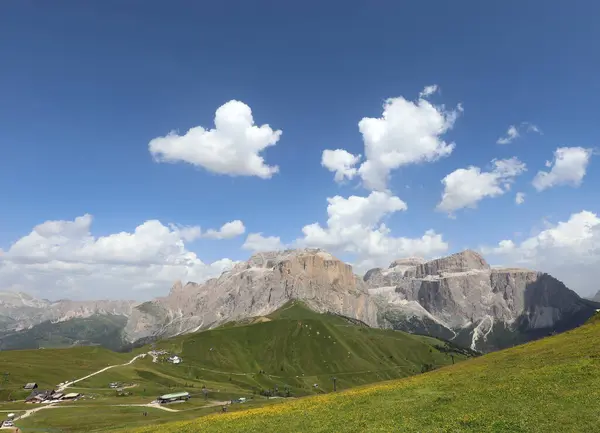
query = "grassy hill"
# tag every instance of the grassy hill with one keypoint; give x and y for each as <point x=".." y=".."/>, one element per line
<point x="48" y="367"/>
<point x="548" y="385"/>
<point x="295" y="344"/>
<point x="285" y="354"/>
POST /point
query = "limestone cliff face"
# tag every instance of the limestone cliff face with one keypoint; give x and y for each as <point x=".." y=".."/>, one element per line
<point x="395" y="273"/>
<point x="465" y="298"/>
<point x="460" y="262"/>
<point x="257" y="287"/>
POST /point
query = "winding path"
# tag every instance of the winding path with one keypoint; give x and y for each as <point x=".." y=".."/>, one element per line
<point x="64" y="386"/>
<point x="153" y="405"/>
<point x="32" y="411"/>
<point x="67" y="384"/>
<point x="150" y="405"/>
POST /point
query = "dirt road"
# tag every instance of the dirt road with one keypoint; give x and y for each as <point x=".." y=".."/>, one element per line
<point x="62" y="387"/>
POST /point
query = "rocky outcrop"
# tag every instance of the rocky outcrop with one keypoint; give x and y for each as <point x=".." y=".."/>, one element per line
<point x="466" y="298"/>
<point x="460" y="262"/>
<point x="395" y="273"/>
<point x="257" y="287"/>
<point x="408" y="262"/>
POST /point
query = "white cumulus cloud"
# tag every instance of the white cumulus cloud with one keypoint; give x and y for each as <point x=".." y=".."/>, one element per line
<point x="408" y="132"/>
<point x="227" y="231"/>
<point x="64" y="259"/>
<point x="465" y="187"/>
<point x="233" y="147"/>
<point x="257" y="242"/>
<point x="568" y="168"/>
<point x="568" y="250"/>
<point x="520" y="198"/>
<point x="341" y="162"/>
<point x="355" y="226"/>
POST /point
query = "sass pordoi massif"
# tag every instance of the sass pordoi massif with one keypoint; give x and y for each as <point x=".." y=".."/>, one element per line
<point x="458" y="298"/>
<point x="288" y="325"/>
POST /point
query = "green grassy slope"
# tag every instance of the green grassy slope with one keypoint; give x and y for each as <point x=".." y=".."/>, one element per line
<point x="551" y="385"/>
<point x="298" y="347"/>
<point x="294" y="348"/>
<point x="82" y="417"/>
<point x="48" y="367"/>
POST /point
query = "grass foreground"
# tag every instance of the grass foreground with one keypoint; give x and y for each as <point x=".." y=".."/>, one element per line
<point x="550" y="385"/>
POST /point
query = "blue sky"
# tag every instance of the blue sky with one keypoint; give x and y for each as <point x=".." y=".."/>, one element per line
<point x="85" y="86"/>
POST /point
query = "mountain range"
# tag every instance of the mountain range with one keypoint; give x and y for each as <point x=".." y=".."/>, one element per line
<point x="459" y="298"/>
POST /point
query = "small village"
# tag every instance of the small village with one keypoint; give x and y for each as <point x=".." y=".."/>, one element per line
<point x="48" y="396"/>
<point x="59" y="394"/>
<point x="39" y="396"/>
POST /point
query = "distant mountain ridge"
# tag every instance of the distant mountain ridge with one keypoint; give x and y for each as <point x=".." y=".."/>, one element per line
<point x="458" y="297"/>
<point x="21" y="311"/>
<point x="99" y="329"/>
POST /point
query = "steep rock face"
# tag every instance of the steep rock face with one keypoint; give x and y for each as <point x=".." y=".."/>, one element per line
<point x="460" y="262"/>
<point x="463" y="297"/>
<point x="408" y="262"/>
<point x="257" y="287"/>
<point x="395" y="273"/>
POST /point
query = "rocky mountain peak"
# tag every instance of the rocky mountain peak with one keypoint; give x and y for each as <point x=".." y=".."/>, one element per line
<point x="269" y="259"/>
<point x="177" y="286"/>
<point x="21" y="311"/>
<point x="257" y="287"/>
<point x="463" y="261"/>
<point x="408" y="261"/>
<point x="319" y="265"/>
<point x="20" y="299"/>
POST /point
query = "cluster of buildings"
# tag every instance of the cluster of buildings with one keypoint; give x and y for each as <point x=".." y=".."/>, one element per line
<point x="159" y="355"/>
<point x="48" y="396"/>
